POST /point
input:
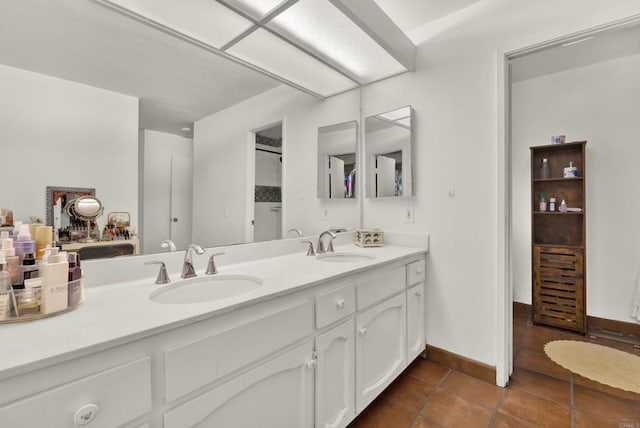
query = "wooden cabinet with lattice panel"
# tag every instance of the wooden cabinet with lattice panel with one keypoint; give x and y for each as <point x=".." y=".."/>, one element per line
<point x="559" y="238"/>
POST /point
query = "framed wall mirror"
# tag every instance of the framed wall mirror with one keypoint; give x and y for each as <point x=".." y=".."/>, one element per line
<point x="57" y="198"/>
<point x="388" y="148"/>
<point x="337" y="154"/>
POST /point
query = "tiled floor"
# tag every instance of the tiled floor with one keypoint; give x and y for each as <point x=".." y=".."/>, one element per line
<point x="540" y="393"/>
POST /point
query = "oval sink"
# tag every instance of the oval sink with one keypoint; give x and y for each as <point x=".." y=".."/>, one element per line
<point x="205" y="288"/>
<point x="344" y="257"/>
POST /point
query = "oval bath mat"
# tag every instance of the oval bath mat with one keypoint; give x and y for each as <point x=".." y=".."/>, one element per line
<point x="596" y="362"/>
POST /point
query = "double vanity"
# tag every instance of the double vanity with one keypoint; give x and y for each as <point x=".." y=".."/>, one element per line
<point x="288" y="340"/>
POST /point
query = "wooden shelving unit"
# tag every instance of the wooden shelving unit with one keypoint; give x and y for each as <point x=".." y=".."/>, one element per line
<point x="558" y="239"/>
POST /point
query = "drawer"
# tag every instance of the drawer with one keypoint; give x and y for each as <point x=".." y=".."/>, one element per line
<point x="416" y="272"/>
<point x="120" y="395"/>
<point x="334" y="305"/>
<point x="196" y="364"/>
<point x="378" y="284"/>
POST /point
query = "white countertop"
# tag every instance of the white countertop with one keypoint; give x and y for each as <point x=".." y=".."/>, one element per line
<point x="122" y="312"/>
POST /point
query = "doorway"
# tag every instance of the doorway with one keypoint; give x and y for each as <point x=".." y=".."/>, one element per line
<point x="267" y="184"/>
<point x="575" y="59"/>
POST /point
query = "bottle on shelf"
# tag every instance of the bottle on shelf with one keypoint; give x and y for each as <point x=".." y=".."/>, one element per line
<point x="563" y="207"/>
<point x="545" y="171"/>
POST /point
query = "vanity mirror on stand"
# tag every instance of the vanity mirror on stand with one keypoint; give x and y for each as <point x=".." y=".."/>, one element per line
<point x="388" y="148"/>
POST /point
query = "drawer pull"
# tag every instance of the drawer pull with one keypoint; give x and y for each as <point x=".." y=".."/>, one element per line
<point x="419" y="271"/>
<point x="85" y="414"/>
<point x="340" y="304"/>
<point x="418" y="294"/>
<point x="363" y="331"/>
<point x="311" y="364"/>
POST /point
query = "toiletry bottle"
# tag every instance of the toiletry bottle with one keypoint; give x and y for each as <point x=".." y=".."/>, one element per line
<point x="543" y="201"/>
<point x="75" y="285"/>
<point x="13" y="261"/>
<point x="563" y="207"/>
<point x="552" y="204"/>
<point x="29" y="269"/>
<point x="545" y="171"/>
<point x="43" y="238"/>
<point x="570" y="171"/>
<point x="5" y="277"/>
<point x="24" y="244"/>
<point x="54" y="276"/>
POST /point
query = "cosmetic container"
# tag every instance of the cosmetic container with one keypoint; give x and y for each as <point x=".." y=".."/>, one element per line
<point x="29" y="268"/>
<point x="54" y="274"/>
<point x="552" y="204"/>
<point x="5" y="277"/>
<point x="13" y="261"/>
<point x="27" y="302"/>
<point x="545" y="171"/>
<point x="43" y="238"/>
<point x="5" y="305"/>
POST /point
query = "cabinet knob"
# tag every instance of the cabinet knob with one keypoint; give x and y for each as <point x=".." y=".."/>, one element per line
<point x="419" y="271"/>
<point x="85" y="414"/>
<point x="363" y="331"/>
<point x="340" y="304"/>
<point x="417" y="293"/>
<point x="311" y="364"/>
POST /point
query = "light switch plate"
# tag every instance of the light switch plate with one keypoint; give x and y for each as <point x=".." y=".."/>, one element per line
<point x="408" y="215"/>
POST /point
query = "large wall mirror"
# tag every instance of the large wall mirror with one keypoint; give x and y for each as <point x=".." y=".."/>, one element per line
<point x="337" y="154"/>
<point x="88" y="103"/>
<point x="388" y="148"/>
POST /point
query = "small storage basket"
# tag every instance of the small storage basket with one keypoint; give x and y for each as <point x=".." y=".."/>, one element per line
<point x="369" y="238"/>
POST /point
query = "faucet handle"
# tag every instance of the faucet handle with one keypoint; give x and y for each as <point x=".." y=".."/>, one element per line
<point x="330" y="246"/>
<point x="211" y="266"/>
<point x="163" y="276"/>
<point x="310" y="251"/>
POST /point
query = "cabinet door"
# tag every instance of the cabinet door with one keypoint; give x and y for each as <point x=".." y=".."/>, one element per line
<point x="380" y="348"/>
<point x="415" y="321"/>
<point x="335" y="377"/>
<point x="277" y="394"/>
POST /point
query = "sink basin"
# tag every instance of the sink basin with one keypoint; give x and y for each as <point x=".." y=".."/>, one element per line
<point x="205" y="288"/>
<point x="344" y="257"/>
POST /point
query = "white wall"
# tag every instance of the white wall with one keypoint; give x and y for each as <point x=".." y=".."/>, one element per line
<point x="166" y="190"/>
<point x="222" y="146"/>
<point x="599" y="103"/>
<point x="55" y="132"/>
<point x="455" y="96"/>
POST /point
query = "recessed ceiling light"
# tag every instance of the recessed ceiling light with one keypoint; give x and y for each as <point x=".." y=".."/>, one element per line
<point x="564" y="45"/>
<point x="185" y="129"/>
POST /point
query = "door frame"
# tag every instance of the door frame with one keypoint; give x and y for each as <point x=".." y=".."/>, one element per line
<point x="251" y="180"/>
<point x="504" y="360"/>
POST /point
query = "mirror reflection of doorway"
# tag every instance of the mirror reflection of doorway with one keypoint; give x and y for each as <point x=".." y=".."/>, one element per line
<point x="267" y="212"/>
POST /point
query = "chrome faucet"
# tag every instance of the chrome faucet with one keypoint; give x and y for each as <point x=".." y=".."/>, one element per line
<point x="296" y="231"/>
<point x="168" y="243"/>
<point x="320" y="247"/>
<point x="187" y="267"/>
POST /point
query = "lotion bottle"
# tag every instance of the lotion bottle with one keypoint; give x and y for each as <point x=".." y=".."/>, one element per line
<point x="13" y="261"/>
<point x="5" y="277"/>
<point x="24" y="244"/>
<point x="54" y="274"/>
<point x="75" y="291"/>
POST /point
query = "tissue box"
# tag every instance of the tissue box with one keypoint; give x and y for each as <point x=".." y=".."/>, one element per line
<point x="369" y="238"/>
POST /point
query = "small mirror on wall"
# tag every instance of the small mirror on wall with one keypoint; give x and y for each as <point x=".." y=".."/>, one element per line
<point x="388" y="147"/>
<point x="337" y="160"/>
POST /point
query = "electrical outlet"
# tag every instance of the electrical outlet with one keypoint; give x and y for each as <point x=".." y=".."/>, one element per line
<point x="408" y="215"/>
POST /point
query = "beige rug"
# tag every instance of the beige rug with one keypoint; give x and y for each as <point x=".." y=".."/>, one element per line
<point x="596" y="362"/>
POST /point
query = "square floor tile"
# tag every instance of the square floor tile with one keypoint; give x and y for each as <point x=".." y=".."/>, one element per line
<point x="472" y="389"/>
<point x="427" y="371"/>
<point x="408" y="392"/>
<point x="383" y="414"/>
<point x="535" y="410"/>
<point x="585" y="420"/>
<point x="422" y="422"/>
<point x="605" y="406"/>
<point x="537" y="361"/>
<point x="502" y="420"/>
<point x="451" y="410"/>
<point x="541" y="385"/>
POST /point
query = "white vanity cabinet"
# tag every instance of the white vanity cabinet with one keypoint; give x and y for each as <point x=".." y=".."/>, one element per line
<point x="104" y="399"/>
<point x="415" y="309"/>
<point x="312" y="357"/>
<point x="380" y="348"/>
<point x="277" y="394"/>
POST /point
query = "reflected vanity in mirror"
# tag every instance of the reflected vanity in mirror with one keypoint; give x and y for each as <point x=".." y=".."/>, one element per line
<point x="388" y="149"/>
<point x="337" y="154"/>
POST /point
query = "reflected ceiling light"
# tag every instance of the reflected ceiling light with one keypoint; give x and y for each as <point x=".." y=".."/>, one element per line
<point x="321" y="47"/>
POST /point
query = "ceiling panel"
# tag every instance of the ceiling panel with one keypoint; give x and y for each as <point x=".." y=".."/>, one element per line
<point x="204" y="20"/>
<point x="322" y="29"/>
<point x="257" y="9"/>
<point x="279" y="57"/>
